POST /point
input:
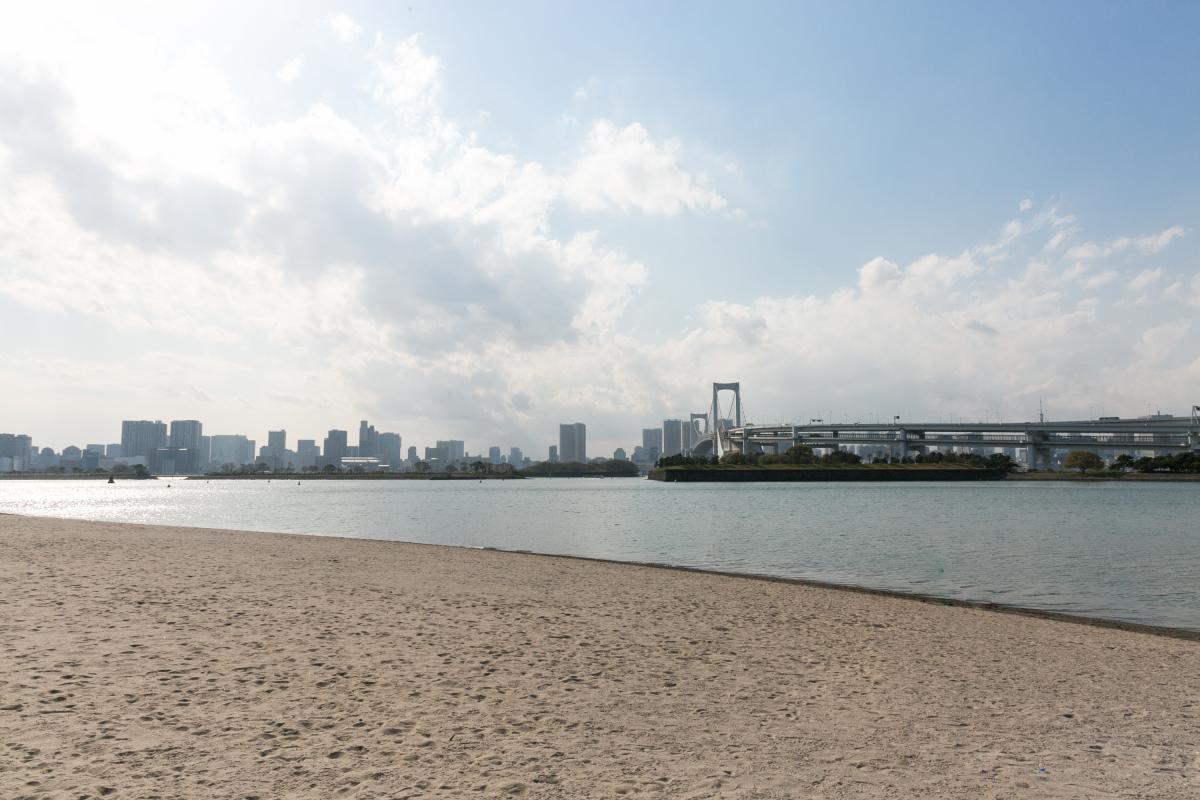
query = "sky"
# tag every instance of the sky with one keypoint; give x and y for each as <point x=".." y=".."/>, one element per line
<point x="479" y="220"/>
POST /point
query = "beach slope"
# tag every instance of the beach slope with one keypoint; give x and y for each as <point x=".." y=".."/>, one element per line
<point x="140" y="661"/>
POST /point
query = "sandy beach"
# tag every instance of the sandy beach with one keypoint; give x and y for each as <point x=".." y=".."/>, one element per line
<point x="142" y="661"/>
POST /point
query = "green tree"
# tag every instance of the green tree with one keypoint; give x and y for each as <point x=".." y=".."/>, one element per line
<point x="1000" y="461"/>
<point x="1124" y="462"/>
<point x="1083" y="460"/>
<point x="733" y="458"/>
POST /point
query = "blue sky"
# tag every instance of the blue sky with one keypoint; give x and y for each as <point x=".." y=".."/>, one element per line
<point x="478" y="220"/>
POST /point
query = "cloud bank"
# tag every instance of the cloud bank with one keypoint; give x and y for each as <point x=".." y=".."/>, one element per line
<point x="179" y="252"/>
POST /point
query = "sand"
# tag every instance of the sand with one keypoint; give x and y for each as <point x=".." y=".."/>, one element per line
<point x="140" y="661"/>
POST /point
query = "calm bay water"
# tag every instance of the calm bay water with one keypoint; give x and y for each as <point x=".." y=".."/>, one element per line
<point x="1123" y="551"/>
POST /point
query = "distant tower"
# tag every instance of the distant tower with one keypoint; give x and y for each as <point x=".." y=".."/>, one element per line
<point x="572" y="442"/>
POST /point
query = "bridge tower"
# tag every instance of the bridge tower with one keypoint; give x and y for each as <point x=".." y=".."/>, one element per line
<point x="720" y="435"/>
<point x="715" y="408"/>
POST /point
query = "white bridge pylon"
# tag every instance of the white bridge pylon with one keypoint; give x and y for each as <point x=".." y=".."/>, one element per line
<point x="717" y="427"/>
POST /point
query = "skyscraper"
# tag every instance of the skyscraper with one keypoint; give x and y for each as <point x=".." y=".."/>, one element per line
<point x="335" y="447"/>
<point x="390" y="449"/>
<point x="368" y="439"/>
<point x="186" y="433"/>
<point x="232" y="449"/>
<point x="277" y="441"/>
<point x="652" y="443"/>
<point x="572" y="442"/>
<point x="672" y="432"/>
<point x="516" y="457"/>
<point x="553" y="459"/>
<point x="455" y="449"/>
<point x="494" y="454"/>
<point x="141" y="437"/>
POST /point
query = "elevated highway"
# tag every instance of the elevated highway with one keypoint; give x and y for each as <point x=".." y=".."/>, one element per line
<point x="1159" y="434"/>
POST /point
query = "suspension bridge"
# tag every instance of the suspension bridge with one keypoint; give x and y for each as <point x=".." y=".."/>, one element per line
<point x="725" y="430"/>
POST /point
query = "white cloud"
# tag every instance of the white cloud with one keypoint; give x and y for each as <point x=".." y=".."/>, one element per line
<point x="291" y="71"/>
<point x="1158" y="342"/>
<point x="1092" y="250"/>
<point x="406" y="78"/>
<point x="1025" y="205"/>
<point x="1145" y="279"/>
<point x="1157" y="242"/>
<point x="625" y="169"/>
<point x="1101" y="279"/>
<point x="343" y="26"/>
<point x="1150" y="244"/>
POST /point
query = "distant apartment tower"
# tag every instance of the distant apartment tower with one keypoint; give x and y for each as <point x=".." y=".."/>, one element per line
<point x="516" y="457"/>
<point x="455" y="449"/>
<point x="619" y="454"/>
<point x="335" y="447"/>
<point x="390" y="449"/>
<point x="494" y="454"/>
<point x="185" y="434"/>
<point x="672" y="444"/>
<point x="141" y="437"/>
<point x="652" y="443"/>
<point x="553" y="459"/>
<point x="232" y="449"/>
<point x="15" y="452"/>
<point x="368" y="439"/>
<point x="572" y="442"/>
<point x="307" y="453"/>
<point x="412" y="455"/>
<point x="277" y="441"/>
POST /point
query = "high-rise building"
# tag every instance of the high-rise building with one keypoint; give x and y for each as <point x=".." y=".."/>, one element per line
<point x="437" y="456"/>
<point x="15" y="452"/>
<point x="113" y="450"/>
<point x="619" y="454"/>
<point x="553" y="458"/>
<point x="412" y="455"/>
<point x="141" y="437"/>
<point x="516" y="457"/>
<point x="572" y="442"/>
<point x="277" y="440"/>
<point x="494" y="454"/>
<point x="672" y="444"/>
<point x="174" y="461"/>
<point x="390" y="449"/>
<point x="455" y="449"/>
<point x="368" y="439"/>
<point x="98" y="449"/>
<point x="652" y="439"/>
<point x="185" y="434"/>
<point x="307" y="453"/>
<point x="335" y="447"/>
<point x="232" y="449"/>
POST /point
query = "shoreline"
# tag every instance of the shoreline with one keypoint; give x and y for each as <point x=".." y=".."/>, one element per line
<point x="140" y="660"/>
<point x="1186" y="634"/>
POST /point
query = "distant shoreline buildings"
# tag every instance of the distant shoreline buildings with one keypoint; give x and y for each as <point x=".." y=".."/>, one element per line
<point x="182" y="447"/>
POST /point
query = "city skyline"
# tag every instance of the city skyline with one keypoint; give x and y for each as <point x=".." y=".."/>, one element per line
<point x="479" y="223"/>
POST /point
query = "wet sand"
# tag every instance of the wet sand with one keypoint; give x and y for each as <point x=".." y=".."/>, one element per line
<point x="144" y="661"/>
